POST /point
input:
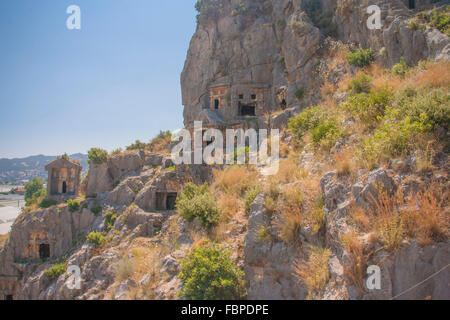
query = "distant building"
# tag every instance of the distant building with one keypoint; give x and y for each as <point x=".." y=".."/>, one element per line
<point x="19" y="191"/>
<point x="64" y="176"/>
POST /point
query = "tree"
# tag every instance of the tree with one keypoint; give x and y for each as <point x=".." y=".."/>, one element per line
<point x="33" y="191"/>
<point x="97" y="156"/>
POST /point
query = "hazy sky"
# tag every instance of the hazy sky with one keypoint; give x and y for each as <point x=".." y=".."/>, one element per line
<point x="112" y="82"/>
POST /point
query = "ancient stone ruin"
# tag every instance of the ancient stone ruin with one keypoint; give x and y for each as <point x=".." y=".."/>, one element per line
<point x="64" y="177"/>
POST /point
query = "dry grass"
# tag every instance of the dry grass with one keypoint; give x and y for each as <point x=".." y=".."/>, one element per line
<point x="288" y="172"/>
<point x="313" y="273"/>
<point x="123" y="269"/>
<point x="423" y="216"/>
<point x="355" y="268"/>
<point x="345" y="163"/>
<point x="235" y="180"/>
<point x="3" y="238"/>
<point x="288" y="224"/>
<point x="338" y="53"/>
<point x="436" y="75"/>
<point x="160" y="144"/>
<point x="327" y="90"/>
<point x="316" y="218"/>
<point x="425" y="161"/>
<point x="431" y="75"/>
<point x="263" y="234"/>
<point x="387" y="221"/>
<point x="344" y="82"/>
<point x="426" y="218"/>
<point x="270" y="204"/>
<point x="284" y="150"/>
<point x="230" y="205"/>
<point x="360" y="218"/>
<point x="292" y="195"/>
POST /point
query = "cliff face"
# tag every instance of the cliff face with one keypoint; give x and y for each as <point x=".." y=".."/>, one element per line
<point x="277" y="45"/>
<point x="248" y="42"/>
<point x="246" y="59"/>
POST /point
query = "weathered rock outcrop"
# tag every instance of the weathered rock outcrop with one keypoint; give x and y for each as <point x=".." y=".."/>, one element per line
<point x="275" y="44"/>
<point x="268" y="264"/>
<point x="400" y="271"/>
<point x="395" y="39"/>
<point x="99" y="180"/>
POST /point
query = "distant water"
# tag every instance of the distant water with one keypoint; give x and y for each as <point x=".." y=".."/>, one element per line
<point x="7" y="217"/>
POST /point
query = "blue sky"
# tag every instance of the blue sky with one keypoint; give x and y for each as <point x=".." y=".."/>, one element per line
<point x="112" y="82"/>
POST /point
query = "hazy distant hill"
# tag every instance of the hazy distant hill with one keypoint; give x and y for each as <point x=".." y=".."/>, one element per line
<point x="16" y="170"/>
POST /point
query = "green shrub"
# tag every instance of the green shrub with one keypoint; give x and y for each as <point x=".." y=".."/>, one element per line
<point x="401" y="68"/>
<point x="441" y="20"/>
<point x="250" y="197"/>
<point x="414" y="24"/>
<point x="197" y="202"/>
<point x="34" y="191"/>
<point x="394" y="137"/>
<point x="97" y="209"/>
<point x="300" y="93"/>
<point x="56" y="271"/>
<point x="97" y="156"/>
<point x="319" y="123"/>
<point x="306" y="120"/>
<point x="96" y="238"/>
<point x="110" y="219"/>
<point x="208" y="273"/>
<point x="326" y="134"/>
<point x="368" y="107"/>
<point x="47" y="203"/>
<point x="73" y="205"/>
<point x="434" y="104"/>
<point x="361" y="57"/>
<point x="138" y="145"/>
<point x="362" y="83"/>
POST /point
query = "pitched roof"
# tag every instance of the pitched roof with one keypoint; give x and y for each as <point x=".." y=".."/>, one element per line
<point x="62" y="163"/>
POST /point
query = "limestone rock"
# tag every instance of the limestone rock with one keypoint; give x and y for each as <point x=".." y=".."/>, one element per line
<point x="126" y="191"/>
<point x="99" y="180"/>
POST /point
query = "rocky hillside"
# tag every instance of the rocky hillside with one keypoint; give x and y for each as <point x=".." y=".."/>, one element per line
<point x="362" y="184"/>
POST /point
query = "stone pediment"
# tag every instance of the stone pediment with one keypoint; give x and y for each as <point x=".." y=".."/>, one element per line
<point x="62" y="163"/>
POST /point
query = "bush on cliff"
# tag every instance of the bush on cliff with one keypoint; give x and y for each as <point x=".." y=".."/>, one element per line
<point x="110" y="219"/>
<point x="96" y="238"/>
<point x="97" y="156"/>
<point x="47" y="203"/>
<point x="138" y="145"/>
<point x="208" y="273"/>
<point x="198" y="202"/>
<point x="73" y="205"/>
<point x="56" y="271"/>
<point x="320" y="124"/>
<point x="361" y="57"/>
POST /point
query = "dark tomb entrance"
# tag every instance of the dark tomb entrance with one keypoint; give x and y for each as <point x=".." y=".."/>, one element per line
<point x="64" y="187"/>
<point x="248" y="111"/>
<point x="171" y="201"/>
<point x="412" y="4"/>
<point x="44" y="251"/>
